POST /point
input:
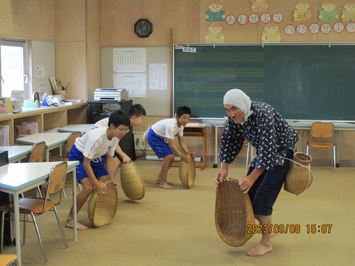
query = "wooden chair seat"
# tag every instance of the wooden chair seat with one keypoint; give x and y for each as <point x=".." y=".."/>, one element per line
<point x="321" y="144"/>
<point x="7" y="259"/>
<point x="35" y="205"/>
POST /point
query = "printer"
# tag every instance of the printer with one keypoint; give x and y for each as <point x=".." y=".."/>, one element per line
<point x="110" y="94"/>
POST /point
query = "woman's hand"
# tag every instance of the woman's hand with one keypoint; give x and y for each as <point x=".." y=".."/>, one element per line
<point x="245" y="183"/>
<point x="223" y="173"/>
<point x="100" y="187"/>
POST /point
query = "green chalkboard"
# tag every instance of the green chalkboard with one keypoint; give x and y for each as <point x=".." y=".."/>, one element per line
<point x="304" y="82"/>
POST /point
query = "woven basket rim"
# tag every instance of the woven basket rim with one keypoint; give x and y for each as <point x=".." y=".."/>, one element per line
<point x="302" y="157"/>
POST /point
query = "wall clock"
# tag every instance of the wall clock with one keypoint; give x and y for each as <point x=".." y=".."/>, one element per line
<point x="143" y="28"/>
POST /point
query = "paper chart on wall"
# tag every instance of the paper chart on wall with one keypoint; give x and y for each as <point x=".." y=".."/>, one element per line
<point x="134" y="83"/>
<point x="129" y="60"/>
<point x="158" y="76"/>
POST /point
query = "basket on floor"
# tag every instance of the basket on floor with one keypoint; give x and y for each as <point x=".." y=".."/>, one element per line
<point x="132" y="182"/>
<point x="233" y="213"/>
<point x="102" y="207"/>
<point x="187" y="173"/>
<point x="299" y="177"/>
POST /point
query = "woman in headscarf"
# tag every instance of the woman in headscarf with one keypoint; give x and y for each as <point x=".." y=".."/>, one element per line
<point x="274" y="139"/>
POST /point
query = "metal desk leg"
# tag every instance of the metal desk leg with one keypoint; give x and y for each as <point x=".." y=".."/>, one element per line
<point x="337" y="145"/>
<point x="47" y="155"/>
<point x="215" y="146"/>
<point x="204" y="147"/>
<point x="17" y="229"/>
<point x="75" y="216"/>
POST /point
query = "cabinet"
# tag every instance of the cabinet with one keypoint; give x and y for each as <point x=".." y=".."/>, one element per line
<point x="46" y="117"/>
<point x="98" y="110"/>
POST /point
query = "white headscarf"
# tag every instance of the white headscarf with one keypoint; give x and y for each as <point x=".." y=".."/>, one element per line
<point x="238" y="98"/>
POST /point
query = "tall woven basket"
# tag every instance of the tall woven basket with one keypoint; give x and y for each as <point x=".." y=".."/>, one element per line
<point x="187" y="174"/>
<point x="132" y="181"/>
<point x="102" y="207"/>
<point x="299" y="177"/>
<point x="233" y="213"/>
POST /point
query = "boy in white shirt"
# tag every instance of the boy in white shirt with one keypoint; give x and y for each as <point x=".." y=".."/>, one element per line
<point x="161" y="138"/>
<point x="88" y="150"/>
<point x="136" y="114"/>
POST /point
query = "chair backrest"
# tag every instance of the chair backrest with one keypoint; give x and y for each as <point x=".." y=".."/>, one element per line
<point x="70" y="141"/>
<point x="322" y="130"/>
<point x="38" y="151"/>
<point x="56" y="182"/>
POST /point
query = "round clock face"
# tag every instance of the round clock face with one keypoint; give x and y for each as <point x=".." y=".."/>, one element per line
<point x="143" y="28"/>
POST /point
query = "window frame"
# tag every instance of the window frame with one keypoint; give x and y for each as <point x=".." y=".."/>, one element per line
<point x="26" y="63"/>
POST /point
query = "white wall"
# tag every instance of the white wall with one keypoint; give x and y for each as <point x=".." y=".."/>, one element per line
<point x="43" y="56"/>
<point x="157" y="102"/>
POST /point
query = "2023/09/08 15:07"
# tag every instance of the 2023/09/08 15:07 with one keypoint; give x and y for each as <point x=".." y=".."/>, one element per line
<point x="288" y="228"/>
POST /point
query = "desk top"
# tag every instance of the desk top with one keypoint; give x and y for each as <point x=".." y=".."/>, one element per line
<point x="16" y="176"/>
<point x="16" y="152"/>
<point x="307" y="125"/>
<point x="296" y="125"/>
<point x="51" y="139"/>
<point x="216" y="123"/>
<point x="196" y="125"/>
<point x="83" y="128"/>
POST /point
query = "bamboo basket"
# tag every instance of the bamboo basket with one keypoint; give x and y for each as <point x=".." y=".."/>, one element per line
<point x="132" y="182"/>
<point x="102" y="207"/>
<point x="233" y="213"/>
<point x="187" y="173"/>
<point x="299" y="177"/>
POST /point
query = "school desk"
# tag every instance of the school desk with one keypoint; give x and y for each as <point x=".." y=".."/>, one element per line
<point x="17" y="153"/>
<point x="198" y="130"/>
<point x="216" y="124"/>
<point x="52" y="140"/>
<point x="82" y="128"/>
<point x="17" y="178"/>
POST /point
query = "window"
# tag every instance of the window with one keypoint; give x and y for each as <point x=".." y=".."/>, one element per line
<point x="14" y="67"/>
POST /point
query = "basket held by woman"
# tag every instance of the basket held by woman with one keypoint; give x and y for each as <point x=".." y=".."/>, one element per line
<point x="299" y="177"/>
<point x="132" y="181"/>
<point x="187" y="173"/>
<point x="233" y="213"/>
<point x="102" y="207"/>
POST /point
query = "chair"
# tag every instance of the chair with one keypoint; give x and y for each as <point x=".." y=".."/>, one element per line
<point x="70" y="142"/>
<point x="8" y="259"/>
<point x="37" y="206"/>
<point x="322" y="136"/>
<point x="38" y="152"/>
<point x="37" y="155"/>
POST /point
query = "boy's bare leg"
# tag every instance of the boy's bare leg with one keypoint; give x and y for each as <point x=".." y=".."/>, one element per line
<point x="264" y="245"/>
<point x="88" y="188"/>
<point x="112" y="165"/>
<point x="163" y="175"/>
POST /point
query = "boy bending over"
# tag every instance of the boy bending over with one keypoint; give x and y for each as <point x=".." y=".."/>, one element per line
<point x="161" y="138"/>
<point x="88" y="150"/>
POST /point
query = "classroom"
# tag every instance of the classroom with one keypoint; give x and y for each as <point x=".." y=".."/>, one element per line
<point x="171" y="101"/>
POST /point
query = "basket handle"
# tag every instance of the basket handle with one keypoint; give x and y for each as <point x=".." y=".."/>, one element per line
<point x="310" y="175"/>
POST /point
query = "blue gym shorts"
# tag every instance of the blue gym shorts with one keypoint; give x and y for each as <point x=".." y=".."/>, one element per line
<point x="97" y="165"/>
<point x="267" y="187"/>
<point x="158" y="144"/>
